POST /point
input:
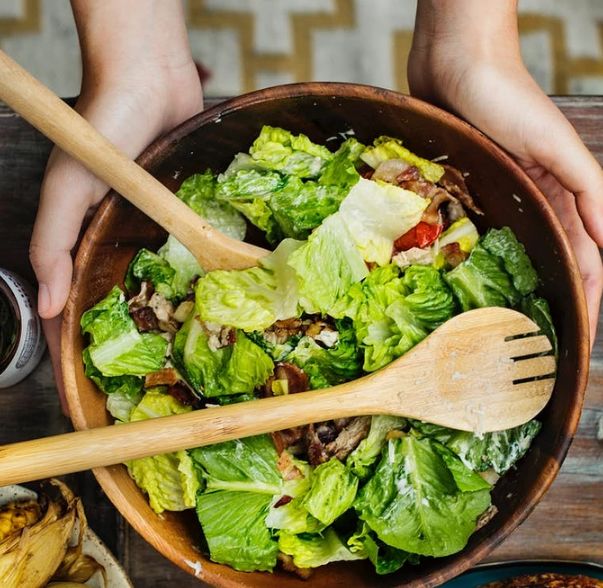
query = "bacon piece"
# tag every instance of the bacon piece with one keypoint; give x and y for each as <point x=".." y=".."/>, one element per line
<point x="145" y="319"/>
<point x="286" y="467"/>
<point x="183" y="394"/>
<point x="454" y="182"/>
<point x="294" y="379"/>
<point x="411" y="179"/>
<point x="292" y="439"/>
<point x="453" y="254"/>
<point x="283" y="500"/>
<point x="162" y="377"/>
<point x="349" y="437"/>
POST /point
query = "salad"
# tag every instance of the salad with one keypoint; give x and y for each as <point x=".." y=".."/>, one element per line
<point x="373" y="251"/>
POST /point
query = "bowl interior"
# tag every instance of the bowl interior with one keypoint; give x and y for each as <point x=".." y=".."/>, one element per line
<point x="324" y="112"/>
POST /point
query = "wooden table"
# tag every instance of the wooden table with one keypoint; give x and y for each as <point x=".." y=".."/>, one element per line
<point x="567" y="524"/>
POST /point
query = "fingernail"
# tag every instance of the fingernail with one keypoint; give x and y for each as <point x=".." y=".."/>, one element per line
<point x="43" y="299"/>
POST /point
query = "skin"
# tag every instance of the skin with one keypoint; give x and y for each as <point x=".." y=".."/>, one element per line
<point x="140" y="81"/>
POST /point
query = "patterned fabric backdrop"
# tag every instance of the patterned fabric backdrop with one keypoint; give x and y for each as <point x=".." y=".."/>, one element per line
<point x="246" y="44"/>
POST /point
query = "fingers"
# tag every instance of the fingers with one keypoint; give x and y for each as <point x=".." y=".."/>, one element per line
<point x="585" y="249"/>
<point x="52" y="333"/>
<point x="67" y="192"/>
<point x="568" y="159"/>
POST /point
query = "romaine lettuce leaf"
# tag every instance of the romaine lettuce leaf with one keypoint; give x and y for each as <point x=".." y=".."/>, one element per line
<point x="391" y="314"/>
<point x="538" y="310"/>
<point x="385" y="558"/>
<point x="376" y="214"/>
<point x="504" y="244"/>
<point x="481" y="280"/>
<point x="150" y="267"/>
<point x="329" y="366"/>
<point x="298" y="207"/>
<point x="251" y="299"/>
<point x="361" y="460"/>
<point x="199" y="193"/>
<point x="332" y="491"/>
<point x="463" y="232"/>
<point x="241" y="481"/>
<point x="498" y="450"/>
<point x="311" y="551"/>
<point x="340" y="170"/>
<point x="234" y="526"/>
<point x="326" y="266"/>
<point x="389" y="148"/>
<point x="247" y="465"/>
<point x="238" y="368"/>
<point x="293" y="518"/>
<point x="280" y="150"/>
<point x="184" y="264"/>
<point x="413" y="502"/>
<point x="124" y="392"/>
<point x="117" y="348"/>
<point x="168" y="479"/>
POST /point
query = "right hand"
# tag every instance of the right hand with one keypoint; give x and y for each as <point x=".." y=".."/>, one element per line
<point x="130" y="114"/>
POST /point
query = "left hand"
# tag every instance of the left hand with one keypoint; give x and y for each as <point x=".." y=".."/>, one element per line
<point x="494" y="91"/>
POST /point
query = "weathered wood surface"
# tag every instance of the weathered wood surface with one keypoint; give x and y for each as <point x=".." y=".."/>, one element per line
<point x="567" y="524"/>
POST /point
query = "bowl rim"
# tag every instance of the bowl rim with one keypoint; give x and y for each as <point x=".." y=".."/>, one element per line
<point x="106" y="476"/>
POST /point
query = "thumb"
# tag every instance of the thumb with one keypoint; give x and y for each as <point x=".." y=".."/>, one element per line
<point x="68" y="190"/>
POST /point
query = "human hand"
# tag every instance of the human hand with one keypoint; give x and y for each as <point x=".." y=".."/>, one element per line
<point x="134" y="88"/>
<point x="480" y="75"/>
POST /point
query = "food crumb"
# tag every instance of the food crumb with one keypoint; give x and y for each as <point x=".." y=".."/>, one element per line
<point x="195" y="566"/>
<point x="516" y="197"/>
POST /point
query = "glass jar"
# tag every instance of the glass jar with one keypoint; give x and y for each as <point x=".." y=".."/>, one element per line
<point x="22" y="342"/>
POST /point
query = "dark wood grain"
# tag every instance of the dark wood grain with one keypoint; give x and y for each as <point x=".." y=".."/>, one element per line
<point x="568" y="523"/>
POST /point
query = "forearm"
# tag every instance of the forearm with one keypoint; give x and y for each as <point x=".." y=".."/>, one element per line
<point x="452" y="37"/>
<point x="129" y="39"/>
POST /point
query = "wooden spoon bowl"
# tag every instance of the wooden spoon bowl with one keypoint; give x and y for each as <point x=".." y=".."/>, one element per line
<point x="323" y="111"/>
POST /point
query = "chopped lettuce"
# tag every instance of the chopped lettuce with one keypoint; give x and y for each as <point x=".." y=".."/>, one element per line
<point x="251" y="299"/>
<point x="385" y="558"/>
<point x="241" y="481"/>
<point x="538" y="310"/>
<point x="504" y="244"/>
<point x="279" y="150"/>
<point x="413" y="501"/>
<point x="241" y="465"/>
<point x="237" y="368"/>
<point x="332" y="491"/>
<point x="248" y="190"/>
<point x="481" y="280"/>
<point x="298" y="207"/>
<point x="150" y="267"/>
<point x="389" y="148"/>
<point x="361" y="460"/>
<point x="326" y="266"/>
<point x="168" y="479"/>
<point x="391" y="314"/>
<point x="311" y="551"/>
<point x="293" y="517"/>
<point x="499" y="450"/>
<point x="234" y="527"/>
<point x="376" y="214"/>
<point x="185" y="266"/>
<point x="199" y="193"/>
<point x="341" y="170"/>
<point x="328" y="366"/>
<point x="124" y="392"/>
<point x="117" y="348"/>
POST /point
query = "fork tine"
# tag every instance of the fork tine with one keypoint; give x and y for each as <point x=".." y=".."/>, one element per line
<point x="527" y="346"/>
<point x="533" y="367"/>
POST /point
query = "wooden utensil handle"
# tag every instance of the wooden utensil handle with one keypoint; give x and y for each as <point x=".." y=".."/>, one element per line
<point x="72" y="452"/>
<point x="74" y="135"/>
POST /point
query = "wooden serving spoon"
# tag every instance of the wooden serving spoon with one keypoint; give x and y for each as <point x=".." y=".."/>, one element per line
<point x="74" y="135"/>
<point x="481" y="371"/>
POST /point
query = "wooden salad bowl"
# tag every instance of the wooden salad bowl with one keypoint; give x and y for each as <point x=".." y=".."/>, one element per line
<point x="323" y="111"/>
